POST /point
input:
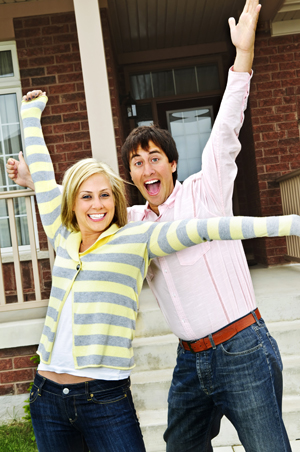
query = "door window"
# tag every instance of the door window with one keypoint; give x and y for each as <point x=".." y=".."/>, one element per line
<point x="190" y="129"/>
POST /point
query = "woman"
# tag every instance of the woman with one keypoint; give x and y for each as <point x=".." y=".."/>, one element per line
<point x="81" y="396"/>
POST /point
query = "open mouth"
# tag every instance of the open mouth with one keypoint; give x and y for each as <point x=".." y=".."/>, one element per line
<point x="97" y="216"/>
<point x="152" y="187"/>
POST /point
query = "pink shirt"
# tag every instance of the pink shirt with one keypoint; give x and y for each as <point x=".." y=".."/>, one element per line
<point x="203" y="288"/>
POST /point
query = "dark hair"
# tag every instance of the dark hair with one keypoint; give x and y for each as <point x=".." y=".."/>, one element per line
<point x="141" y="136"/>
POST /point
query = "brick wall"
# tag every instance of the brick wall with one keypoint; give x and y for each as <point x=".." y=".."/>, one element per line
<point x="16" y="370"/>
<point x="275" y="109"/>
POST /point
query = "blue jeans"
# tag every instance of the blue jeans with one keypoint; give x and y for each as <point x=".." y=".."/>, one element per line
<point x="94" y="416"/>
<point x="240" y="378"/>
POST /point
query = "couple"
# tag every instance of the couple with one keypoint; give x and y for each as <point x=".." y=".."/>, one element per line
<point x="81" y="398"/>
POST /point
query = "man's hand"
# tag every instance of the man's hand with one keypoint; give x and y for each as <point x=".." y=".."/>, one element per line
<point x="243" y="35"/>
<point x="18" y="171"/>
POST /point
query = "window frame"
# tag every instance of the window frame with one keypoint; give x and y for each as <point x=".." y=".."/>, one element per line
<point x="12" y="85"/>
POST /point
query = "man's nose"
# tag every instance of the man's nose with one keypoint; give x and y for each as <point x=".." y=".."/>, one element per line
<point x="148" y="169"/>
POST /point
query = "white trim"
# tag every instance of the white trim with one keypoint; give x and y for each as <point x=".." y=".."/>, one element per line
<point x="15" y="79"/>
<point x="21" y="333"/>
<point x="95" y="79"/>
<point x="286" y="27"/>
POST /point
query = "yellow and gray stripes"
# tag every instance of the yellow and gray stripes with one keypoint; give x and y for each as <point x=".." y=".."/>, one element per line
<point x="106" y="282"/>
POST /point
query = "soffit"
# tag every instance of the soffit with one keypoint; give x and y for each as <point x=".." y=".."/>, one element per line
<point x="141" y="25"/>
<point x="289" y="11"/>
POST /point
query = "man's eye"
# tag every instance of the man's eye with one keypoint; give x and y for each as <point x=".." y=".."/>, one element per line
<point x="155" y="159"/>
<point x="138" y="163"/>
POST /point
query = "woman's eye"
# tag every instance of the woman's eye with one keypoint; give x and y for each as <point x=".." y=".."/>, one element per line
<point x="86" y="197"/>
<point x="104" y="195"/>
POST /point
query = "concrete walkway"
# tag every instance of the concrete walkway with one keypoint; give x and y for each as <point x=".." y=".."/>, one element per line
<point x="294" y="444"/>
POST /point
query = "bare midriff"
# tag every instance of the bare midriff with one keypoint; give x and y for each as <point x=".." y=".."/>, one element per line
<point x="63" y="378"/>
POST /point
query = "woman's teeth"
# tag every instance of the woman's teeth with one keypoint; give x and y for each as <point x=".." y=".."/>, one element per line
<point x="97" y="216"/>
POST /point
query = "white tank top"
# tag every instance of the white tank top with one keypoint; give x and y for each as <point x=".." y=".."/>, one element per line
<point x="62" y="357"/>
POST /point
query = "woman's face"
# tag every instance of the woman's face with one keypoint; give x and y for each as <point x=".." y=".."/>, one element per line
<point x="94" y="206"/>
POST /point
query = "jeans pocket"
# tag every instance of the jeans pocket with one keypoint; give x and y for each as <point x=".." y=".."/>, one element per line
<point x="34" y="393"/>
<point x="243" y="343"/>
<point x="111" y="395"/>
<point x="275" y="348"/>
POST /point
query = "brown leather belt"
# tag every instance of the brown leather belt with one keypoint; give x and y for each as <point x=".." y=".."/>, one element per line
<point x="222" y="335"/>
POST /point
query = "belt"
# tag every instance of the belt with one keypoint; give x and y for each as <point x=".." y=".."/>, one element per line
<point x="222" y="335"/>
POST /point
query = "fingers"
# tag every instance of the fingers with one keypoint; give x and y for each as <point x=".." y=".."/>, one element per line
<point x="231" y="22"/>
<point x="11" y="168"/>
<point x="21" y="158"/>
<point x="33" y="95"/>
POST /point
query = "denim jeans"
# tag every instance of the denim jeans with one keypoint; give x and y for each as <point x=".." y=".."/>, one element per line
<point x="240" y="378"/>
<point x="93" y="416"/>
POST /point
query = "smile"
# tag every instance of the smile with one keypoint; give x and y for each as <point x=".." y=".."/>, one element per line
<point x="97" y="217"/>
<point x="152" y="187"/>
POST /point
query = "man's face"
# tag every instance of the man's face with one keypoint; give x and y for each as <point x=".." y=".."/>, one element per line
<point x="152" y="173"/>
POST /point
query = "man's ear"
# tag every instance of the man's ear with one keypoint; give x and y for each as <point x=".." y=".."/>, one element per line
<point x="174" y="166"/>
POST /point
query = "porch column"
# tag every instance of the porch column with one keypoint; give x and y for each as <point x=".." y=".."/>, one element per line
<point x="96" y="81"/>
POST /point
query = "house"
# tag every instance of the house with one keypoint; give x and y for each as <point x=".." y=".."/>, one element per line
<point x="171" y="58"/>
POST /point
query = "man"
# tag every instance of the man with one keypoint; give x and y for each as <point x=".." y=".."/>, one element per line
<point x="227" y="363"/>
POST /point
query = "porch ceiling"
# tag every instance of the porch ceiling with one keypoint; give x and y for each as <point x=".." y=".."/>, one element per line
<point x="141" y="25"/>
<point x="289" y="11"/>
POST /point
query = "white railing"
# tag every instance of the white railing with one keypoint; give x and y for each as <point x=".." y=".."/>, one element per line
<point x="21" y="303"/>
<point x="290" y="196"/>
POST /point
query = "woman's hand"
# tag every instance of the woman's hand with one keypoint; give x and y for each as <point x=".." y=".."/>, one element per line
<point x="18" y="171"/>
<point x="33" y="95"/>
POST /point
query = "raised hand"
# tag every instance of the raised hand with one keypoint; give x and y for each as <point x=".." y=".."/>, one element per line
<point x="33" y="95"/>
<point x="18" y="171"/>
<point x="243" y="35"/>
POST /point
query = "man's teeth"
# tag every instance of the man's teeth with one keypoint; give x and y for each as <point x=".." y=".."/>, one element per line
<point x="151" y="182"/>
<point x="97" y="216"/>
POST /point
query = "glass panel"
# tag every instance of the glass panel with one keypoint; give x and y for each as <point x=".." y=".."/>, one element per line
<point x="12" y="139"/>
<point x="2" y="175"/>
<point x="9" y="109"/>
<point x="185" y="80"/>
<point x="6" y="64"/>
<point x="208" y="78"/>
<point x="5" y="240"/>
<point x="19" y="206"/>
<point x="163" y="83"/>
<point x="3" y="208"/>
<point x="10" y="144"/>
<point x="141" y="86"/>
<point x="190" y="130"/>
<point x="144" y="115"/>
<point x="22" y="231"/>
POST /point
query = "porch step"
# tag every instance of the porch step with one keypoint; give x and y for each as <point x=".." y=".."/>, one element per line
<point x="155" y="352"/>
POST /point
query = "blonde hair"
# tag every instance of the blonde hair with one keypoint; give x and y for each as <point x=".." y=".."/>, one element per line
<point x="75" y="176"/>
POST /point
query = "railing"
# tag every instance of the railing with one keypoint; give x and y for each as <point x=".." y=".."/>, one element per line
<point x="21" y="303"/>
<point x="290" y="196"/>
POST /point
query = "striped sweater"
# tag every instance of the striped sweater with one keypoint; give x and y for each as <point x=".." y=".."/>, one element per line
<point x="105" y="281"/>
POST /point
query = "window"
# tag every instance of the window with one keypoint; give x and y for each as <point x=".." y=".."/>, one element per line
<point x="195" y="79"/>
<point x="11" y="143"/>
<point x="190" y="129"/>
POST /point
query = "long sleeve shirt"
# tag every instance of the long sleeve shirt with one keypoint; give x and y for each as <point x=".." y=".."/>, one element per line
<point x="202" y="289"/>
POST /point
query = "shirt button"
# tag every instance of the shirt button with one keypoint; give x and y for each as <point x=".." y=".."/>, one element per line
<point x="66" y="391"/>
<point x="78" y="267"/>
